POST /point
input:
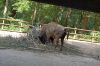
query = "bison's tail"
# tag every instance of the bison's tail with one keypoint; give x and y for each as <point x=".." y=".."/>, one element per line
<point x="67" y="32"/>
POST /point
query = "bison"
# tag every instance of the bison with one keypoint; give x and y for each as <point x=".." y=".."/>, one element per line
<point x="53" y="32"/>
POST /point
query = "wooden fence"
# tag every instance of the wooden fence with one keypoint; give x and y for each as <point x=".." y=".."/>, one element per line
<point x="77" y="34"/>
<point x="91" y="37"/>
<point x="13" y="20"/>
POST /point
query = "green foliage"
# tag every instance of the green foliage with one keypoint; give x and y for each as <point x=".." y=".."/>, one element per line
<point x="1" y="7"/>
<point x="86" y="37"/>
<point x="21" y="5"/>
<point x="75" y="18"/>
<point x="97" y="36"/>
<point x="90" y="23"/>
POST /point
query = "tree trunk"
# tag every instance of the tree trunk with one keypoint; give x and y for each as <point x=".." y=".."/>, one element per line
<point x="84" y="20"/>
<point x="68" y="14"/>
<point x="5" y="8"/>
<point x="5" y="11"/>
<point x="34" y="14"/>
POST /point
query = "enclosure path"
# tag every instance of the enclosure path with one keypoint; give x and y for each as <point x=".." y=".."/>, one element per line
<point x="85" y="47"/>
<point x="11" y="57"/>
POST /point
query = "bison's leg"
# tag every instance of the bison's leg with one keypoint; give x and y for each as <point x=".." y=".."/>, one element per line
<point x="56" y="40"/>
<point x="51" y="40"/>
<point x="62" y="42"/>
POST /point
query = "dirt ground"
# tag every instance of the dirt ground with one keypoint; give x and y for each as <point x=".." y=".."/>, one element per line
<point x="16" y="57"/>
<point x="89" y="48"/>
<point x="75" y="53"/>
<point x="11" y="57"/>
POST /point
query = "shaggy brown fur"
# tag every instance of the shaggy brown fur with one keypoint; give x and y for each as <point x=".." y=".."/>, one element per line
<point x="53" y="31"/>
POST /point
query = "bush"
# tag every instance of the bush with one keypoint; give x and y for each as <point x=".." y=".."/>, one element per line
<point x="97" y="37"/>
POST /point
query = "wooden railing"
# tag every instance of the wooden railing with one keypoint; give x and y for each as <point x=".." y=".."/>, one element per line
<point x="77" y="35"/>
<point x="2" y="24"/>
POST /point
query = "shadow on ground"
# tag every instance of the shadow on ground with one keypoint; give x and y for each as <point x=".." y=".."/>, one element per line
<point x="26" y="43"/>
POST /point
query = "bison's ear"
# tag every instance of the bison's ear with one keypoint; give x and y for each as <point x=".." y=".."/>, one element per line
<point x="41" y="24"/>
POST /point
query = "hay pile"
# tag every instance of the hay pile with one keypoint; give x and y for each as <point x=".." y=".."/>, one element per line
<point x="32" y="37"/>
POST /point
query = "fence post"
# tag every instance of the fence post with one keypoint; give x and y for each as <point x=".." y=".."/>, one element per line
<point x="5" y="12"/>
<point x="3" y="24"/>
<point x="75" y="33"/>
<point x="93" y="36"/>
<point x="21" y="26"/>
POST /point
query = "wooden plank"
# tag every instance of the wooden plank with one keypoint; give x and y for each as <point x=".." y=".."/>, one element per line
<point x="9" y="19"/>
<point x="82" y="29"/>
